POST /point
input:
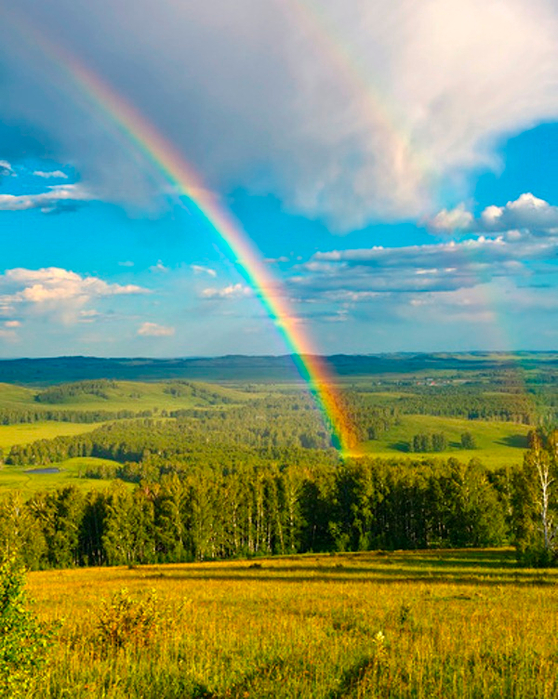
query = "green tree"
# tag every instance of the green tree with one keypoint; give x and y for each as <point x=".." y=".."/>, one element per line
<point x="23" y="642"/>
<point x="536" y="501"/>
<point x="468" y="441"/>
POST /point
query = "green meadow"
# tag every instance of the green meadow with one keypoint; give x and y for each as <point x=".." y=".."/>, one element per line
<point x="26" y="433"/>
<point x="497" y="443"/>
<point x="32" y="479"/>
<point x="460" y="624"/>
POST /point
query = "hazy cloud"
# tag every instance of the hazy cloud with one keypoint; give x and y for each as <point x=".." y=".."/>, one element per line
<point x="354" y="115"/>
<point x="232" y="291"/>
<point x="5" y="169"/>
<point x="155" y="330"/>
<point x="54" y="174"/>
<point x="200" y="269"/>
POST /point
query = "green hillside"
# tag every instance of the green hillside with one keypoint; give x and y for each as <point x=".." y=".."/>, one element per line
<point x="498" y="443"/>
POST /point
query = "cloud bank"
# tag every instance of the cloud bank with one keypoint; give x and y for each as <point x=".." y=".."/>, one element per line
<point x="350" y="112"/>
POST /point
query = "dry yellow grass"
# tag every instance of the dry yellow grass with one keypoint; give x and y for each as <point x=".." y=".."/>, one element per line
<point x="416" y="624"/>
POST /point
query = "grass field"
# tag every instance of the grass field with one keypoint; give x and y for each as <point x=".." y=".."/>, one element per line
<point x="449" y="624"/>
<point x="29" y="479"/>
<point x="498" y="443"/>
<point x="31" y="432"/>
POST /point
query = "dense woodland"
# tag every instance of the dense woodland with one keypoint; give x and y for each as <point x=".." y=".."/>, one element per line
<point x="260" y="507"/>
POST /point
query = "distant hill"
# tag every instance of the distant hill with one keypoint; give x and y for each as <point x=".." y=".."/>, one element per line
<point x="271" y="368"/>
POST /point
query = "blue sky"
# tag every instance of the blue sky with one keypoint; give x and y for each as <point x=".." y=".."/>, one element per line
<point x="405" y="194"/>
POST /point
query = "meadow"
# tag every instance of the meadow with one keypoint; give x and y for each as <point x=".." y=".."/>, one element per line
<point x="460" y="624"/>
<point x="497" y="443"/>
<point x="28" y="479"/>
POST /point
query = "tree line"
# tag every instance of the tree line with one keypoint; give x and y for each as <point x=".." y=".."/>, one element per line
<point x="280" y="508"/>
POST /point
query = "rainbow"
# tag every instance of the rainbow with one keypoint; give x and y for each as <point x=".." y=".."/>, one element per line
<point x="144" y="136"/>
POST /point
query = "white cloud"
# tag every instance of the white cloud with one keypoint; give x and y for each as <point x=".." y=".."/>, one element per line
<point x="56" y="292"/>
<point x="458" y="219"/>
<point x="12" y="324"/>
<point x="200" y="269"/>
<point x="159" y="267"/>
<point x="45" y="201"/>
<point x="526" y="212"/>
<point x="54" y="283"/>
<point x="232" y="291"/>
<point x="155" y="330"/>
<point x="53" y="174"/>
<point x="355" y="275"/>
<point x="6" y="169"/>
<point x="356" y="115"/>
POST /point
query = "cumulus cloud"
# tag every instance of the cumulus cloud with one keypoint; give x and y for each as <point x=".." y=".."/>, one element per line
<point x="232" y="291"/>
<point x="527" y="212"/>
<point x="54" y="291"/>
<point x="458" y="219"/>
<point x="155" y="330"/>
<point x="53" y="174"/>
<point x="353" y="116"/>
<point x="56" y="197"/>
<point x="53" y="283"/>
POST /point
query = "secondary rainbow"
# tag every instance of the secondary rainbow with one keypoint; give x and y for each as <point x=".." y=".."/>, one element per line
<point x="139" y="131"/>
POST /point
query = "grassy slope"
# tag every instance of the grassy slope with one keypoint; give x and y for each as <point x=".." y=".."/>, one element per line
<point x="16" y="396"/>
<point x="456" y="624"/>
<point x="498" y="443"/>
<point x="128" y="395"/>
<point x="26" y="433"/>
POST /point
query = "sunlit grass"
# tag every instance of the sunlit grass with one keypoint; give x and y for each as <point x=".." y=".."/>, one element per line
<point x="31" y="479"/>
<point x="435" y="624"/>
<point x="498" y="443"/>
<point x="31" y="432"/>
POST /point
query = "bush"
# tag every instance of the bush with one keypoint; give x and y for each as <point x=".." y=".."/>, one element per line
<point x="23" y="642"/>
<point x="126" y="620"/>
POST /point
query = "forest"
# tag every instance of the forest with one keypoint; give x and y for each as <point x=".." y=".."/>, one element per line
<point x="218" y="471"/>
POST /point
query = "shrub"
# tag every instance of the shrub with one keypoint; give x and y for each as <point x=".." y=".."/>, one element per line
<point x="23" y="641"/>
<point x="127" y="620"/>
